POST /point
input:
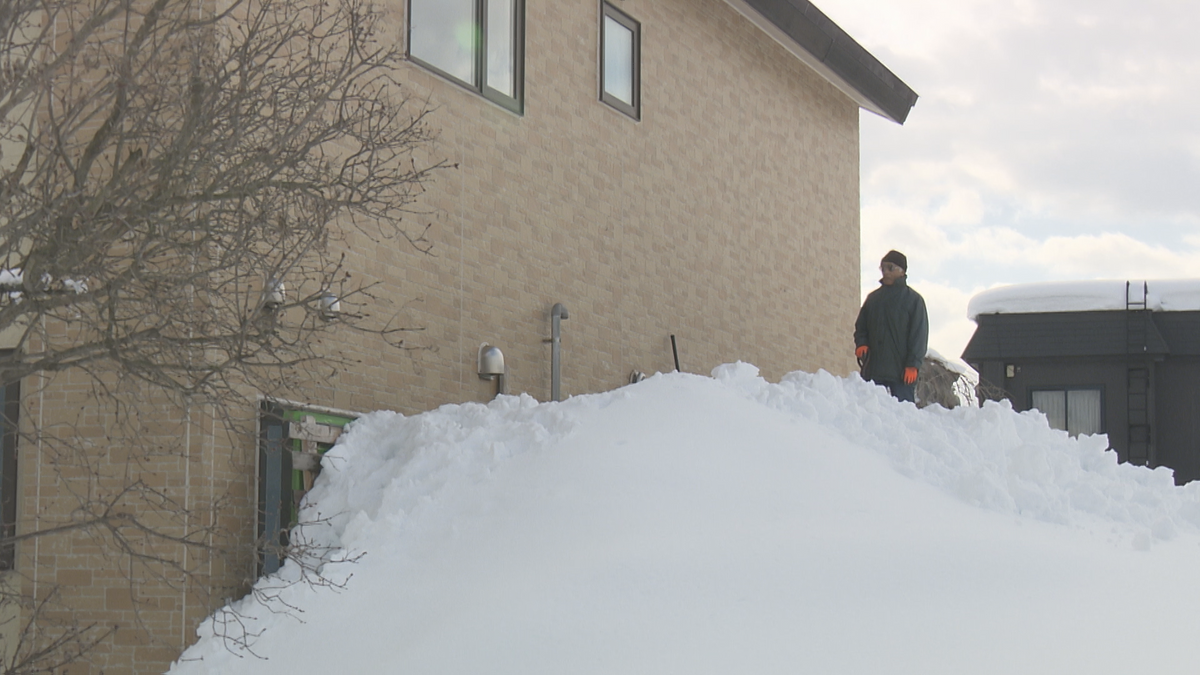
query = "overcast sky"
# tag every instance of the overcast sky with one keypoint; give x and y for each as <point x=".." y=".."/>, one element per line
<point x="1052" y="140"/>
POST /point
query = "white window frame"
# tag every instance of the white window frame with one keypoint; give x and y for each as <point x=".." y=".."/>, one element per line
<point x="479" y="83"/>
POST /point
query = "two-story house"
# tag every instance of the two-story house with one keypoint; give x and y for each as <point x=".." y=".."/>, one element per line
<point x="639" y="184"/>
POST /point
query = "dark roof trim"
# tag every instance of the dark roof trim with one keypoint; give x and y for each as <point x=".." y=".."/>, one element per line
<point x="832" y="53"/>
<point x="1062" y="335"/>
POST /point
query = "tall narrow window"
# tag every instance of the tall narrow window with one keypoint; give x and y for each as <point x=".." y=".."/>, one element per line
<point x="500" y="29"/>
<point x="1075" y="411"/>
<point x="477" y="43"/>
<point x="620" y="61"/>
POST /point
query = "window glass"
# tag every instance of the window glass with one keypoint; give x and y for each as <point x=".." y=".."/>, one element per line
<point x="1075" y="411"/>
<point x="443" y="34"/>
<point x="476" y="42"/>
<point x="1083" y="411"/>
<point x="1053" y="405"/>
<point x="618" y="61"/>
<point x="501" y="46"/>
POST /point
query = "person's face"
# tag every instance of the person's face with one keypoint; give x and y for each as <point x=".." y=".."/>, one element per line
<point x="891" y="272"/>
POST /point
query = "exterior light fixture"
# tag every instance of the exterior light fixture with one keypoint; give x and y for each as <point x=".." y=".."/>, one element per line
<point x="491" y="366"/>
<point x="331" y="307"/>
<point x="275" y="294"/>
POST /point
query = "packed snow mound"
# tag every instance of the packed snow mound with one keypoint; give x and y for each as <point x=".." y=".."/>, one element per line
<point x="991" y="457"/>
<point x="720" y="524"/>
<point x="1173" y="295"/>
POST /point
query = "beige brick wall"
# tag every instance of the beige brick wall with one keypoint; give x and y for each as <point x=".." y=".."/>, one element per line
<point x="727" y="216"/>
<point x="189" y="461"/>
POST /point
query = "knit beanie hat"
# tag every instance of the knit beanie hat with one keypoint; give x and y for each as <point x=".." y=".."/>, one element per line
<point x="896" y="258"/>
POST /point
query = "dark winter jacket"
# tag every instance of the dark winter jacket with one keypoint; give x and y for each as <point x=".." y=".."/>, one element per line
<point x="894" y="326"/>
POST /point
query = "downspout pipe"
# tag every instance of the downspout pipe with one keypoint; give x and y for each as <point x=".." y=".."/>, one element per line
<point x="557" y="314"/>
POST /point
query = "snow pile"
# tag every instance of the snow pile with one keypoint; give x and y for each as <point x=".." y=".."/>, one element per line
<point x="390" y="466"/>
<point x="726" y="524"/>
<point x="1080" y="296"/>
<point x="992" y="457"/>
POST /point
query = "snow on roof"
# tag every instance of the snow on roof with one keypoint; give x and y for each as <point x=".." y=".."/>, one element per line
<point x="1174" y="295"/>
<point x="954" y="365"/>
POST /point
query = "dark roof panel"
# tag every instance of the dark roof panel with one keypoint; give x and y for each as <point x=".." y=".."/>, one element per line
<point x="1058" y="334"/>
<point x="1181" y="330"/>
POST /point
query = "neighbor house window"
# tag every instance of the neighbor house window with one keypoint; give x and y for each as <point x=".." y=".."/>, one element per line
<point x="1075" y="411"/>
<point x="475" y="42"/>
<point x="620" y="61"/>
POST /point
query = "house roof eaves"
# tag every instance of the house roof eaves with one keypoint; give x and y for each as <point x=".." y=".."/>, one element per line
<point x="1059" y="335"/>
<point x="812" y="37"/>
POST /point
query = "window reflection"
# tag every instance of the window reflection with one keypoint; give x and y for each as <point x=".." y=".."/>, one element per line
<point x="618" y="61"/>
<point x="443" y="34"/>
<point x="476" y="42"/>
<point x="501" y="46"/>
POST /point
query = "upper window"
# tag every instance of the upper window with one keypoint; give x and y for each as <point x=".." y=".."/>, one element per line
<point x="620" y="61"/>
<point x="1075" y="411"/>
<point x="476" y="42"/>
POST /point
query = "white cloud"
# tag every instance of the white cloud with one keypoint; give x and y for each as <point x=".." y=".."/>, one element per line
<point x="1077" y="109"/>
<point x="949" y="327"/>
<point x="1114" y="255"/>
<point x="925" y="29"/>
<point x="1054" y="140"/>
<point x="1001" y="250"/>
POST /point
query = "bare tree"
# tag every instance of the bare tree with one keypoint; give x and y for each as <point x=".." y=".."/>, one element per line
<point x="175" y="176"/>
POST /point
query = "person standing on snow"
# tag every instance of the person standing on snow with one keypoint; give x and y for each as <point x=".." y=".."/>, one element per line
<point x="891" y="334"/>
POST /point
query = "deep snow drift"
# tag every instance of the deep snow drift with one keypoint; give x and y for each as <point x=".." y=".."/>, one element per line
<point x="719" y="525"/>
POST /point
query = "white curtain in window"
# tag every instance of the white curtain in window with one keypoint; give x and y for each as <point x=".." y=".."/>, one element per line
<point x="1053" y="405"/>
<point x="1083" y="411"/>
<point x="443" y="34"/>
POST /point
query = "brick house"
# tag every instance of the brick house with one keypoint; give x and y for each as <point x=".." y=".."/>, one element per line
<point x="679" y="177"/>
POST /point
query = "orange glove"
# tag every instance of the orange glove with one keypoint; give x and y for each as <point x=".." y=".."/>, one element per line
<point x="910" y="375"/>
<point x="861" y="351"/>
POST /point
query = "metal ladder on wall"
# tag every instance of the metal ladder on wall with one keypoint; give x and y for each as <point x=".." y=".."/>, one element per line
<point x="1137" y="362"/>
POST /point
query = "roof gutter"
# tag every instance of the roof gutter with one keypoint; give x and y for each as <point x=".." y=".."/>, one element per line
<point x="808" y="34"/>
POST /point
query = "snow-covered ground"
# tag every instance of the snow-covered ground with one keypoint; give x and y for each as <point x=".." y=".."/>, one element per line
<point x="690" y="525"/>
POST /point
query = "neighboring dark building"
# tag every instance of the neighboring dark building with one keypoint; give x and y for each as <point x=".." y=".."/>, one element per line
<point x="1131" y="373"/>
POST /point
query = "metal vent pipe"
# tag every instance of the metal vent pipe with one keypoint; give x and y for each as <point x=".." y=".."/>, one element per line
<point x="557" y="314"/>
